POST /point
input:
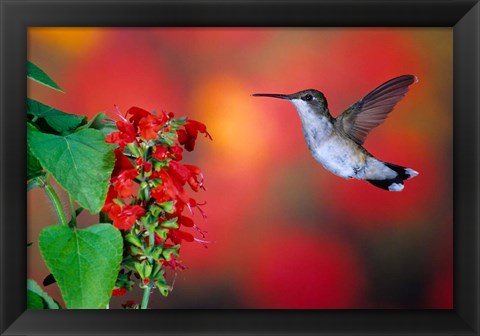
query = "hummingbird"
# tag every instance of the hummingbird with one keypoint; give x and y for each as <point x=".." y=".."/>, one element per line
<point x="336" y="143"/>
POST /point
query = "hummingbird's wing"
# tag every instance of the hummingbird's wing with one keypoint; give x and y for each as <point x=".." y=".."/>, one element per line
<point x="370" y="111"/>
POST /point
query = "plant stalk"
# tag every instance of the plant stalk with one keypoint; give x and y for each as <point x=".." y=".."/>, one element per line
<point x="146" y="297"/>
<point x="146" y="291"/>
<point x="52" y="195"/>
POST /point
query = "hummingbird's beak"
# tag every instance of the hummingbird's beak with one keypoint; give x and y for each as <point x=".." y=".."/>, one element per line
<point x="272" y="95"/>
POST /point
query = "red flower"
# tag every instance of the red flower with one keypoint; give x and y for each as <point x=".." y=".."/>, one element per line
<point x="137" y="114"/>
<point x="121" y="163"/>
<point x="185" y="221"/>
<point x="166" y="191"/>
<point x="195" y="180"/>
<point x="172" y="263"/>
<point x="122" y="175"/>
<point x="124" y="217"/>
<point x="126" y="134"/>
<point x="170" y="189"/>
<point x="146" y="165"/>
<point x="176" y="152"/>
<point x="160" y="153"/>
<point x="186" y="173"/>
<point x="176" y="236"/>
<point x="111" y="195"/>
<point x="149" y="126"/>
<point x="146" y="123"/>
<point x="123" y="183"/>
<point x="187" y="136"/>
<point x="119" y="291"/>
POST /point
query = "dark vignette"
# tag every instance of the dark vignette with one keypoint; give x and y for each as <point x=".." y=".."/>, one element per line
<point x="16" y="16"/>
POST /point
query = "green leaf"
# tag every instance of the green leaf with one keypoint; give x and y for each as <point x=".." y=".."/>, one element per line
<point x="60" y="121"/>
<point x="168" y="207"/>
<point x="38" y="75"/>
<point x="101" y="122"/>
<point x="81" y="163"/>
<point x="169" y="252"/>
<point x="171" y="223"/>
<point x="37" y="298"/>
<point x="133" y="239"/>
<point x="84" y="262"/>
<point x="163" y="287"/>
<point x="162" y="232"/>
<point x="34" y="168"/>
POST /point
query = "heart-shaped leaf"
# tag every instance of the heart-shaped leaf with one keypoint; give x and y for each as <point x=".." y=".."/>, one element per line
<point x="85" y="262"/>
<point x="81" y="163"/>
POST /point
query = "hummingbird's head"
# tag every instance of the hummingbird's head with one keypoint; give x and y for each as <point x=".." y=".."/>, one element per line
<point x="306" y="102"/>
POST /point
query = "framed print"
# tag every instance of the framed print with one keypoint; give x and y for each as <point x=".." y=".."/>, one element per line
<point x="208" y="167"/>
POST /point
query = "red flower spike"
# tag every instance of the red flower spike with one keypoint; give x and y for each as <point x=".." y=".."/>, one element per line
<point x="124" y="217"/>
<point x="119" y="291"/>
<point x="145" y="126"/>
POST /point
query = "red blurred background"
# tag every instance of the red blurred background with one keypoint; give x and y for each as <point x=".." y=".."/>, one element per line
<point x="286" y="233"/>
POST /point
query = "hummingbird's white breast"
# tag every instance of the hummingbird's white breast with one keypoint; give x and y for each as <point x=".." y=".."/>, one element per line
<point x="335" y="152"/>
<point x="326" y="146"/>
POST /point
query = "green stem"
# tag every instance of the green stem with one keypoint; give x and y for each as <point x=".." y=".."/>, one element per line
<point x="74" y="212"/>
<point x="51" y="193"/>
<point x="146" y="297"/>
<point x="146" y="291"/>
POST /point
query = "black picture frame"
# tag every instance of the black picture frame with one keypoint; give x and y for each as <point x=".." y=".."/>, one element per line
<point x="462" y="15"/>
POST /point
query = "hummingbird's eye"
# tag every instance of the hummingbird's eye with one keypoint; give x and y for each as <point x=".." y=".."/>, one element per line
<point x="308" y="97"/>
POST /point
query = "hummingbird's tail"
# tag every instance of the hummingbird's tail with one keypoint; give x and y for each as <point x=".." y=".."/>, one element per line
<point x="396" y="183"/>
